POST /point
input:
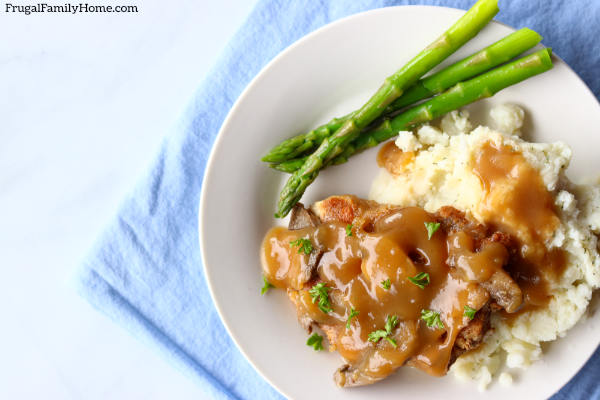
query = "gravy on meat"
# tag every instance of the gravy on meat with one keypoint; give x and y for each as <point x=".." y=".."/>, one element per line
<point x="502" y="265"/>
<point x="354" y="267"/>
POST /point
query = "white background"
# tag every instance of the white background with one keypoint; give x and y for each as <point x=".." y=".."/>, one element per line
<point x="84" y="103"/>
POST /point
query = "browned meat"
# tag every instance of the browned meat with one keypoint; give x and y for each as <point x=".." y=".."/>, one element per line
<point x="501" y="286"/>
<point x="476" y="250"/>
<point x="471" y="336"/>
<point x="502" y="238"/>
<point x="453" y="220"/>
<point x="342" y="208"/>
<point x="351" y="210"/>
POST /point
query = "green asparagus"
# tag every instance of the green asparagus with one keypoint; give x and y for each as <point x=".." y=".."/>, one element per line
<point x="493" y="55"/>
<point x="461" y="94"/>
<point x="490" y="57"/>
<point x="458" y="34"/>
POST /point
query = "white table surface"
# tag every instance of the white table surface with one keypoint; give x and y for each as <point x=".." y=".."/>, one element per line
<point x="84" y="103"/>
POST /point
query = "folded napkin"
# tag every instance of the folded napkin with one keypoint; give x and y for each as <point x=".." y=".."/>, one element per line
<point x="145" y="270"/>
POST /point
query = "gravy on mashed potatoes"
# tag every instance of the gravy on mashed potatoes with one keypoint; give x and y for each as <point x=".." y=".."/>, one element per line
<point x="520" y="188"/>
<point x="473" y="249"/>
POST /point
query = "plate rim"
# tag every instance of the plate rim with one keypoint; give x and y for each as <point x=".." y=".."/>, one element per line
<point x="232" y="111"/>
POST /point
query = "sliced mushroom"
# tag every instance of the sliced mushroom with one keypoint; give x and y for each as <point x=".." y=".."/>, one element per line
<point x="302" y="218"/>
<point x="350" y="376"/>
<point x="504" y="290"/>
<point x="347" y="376"/>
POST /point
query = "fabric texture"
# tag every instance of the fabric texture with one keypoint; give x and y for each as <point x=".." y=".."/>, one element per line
<point x="144" y="271"/>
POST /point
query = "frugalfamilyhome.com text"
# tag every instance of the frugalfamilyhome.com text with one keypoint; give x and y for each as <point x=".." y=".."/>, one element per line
<point x="67" y="8"/>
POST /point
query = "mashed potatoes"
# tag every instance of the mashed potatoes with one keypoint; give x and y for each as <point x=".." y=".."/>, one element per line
<point x="440" y="173"/>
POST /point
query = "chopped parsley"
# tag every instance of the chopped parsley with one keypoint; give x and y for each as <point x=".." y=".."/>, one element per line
<point x="266" y="286"/>
<point x="432" y="319"/>
<point x="421" y="279"/>
<point x="319" y="292"/>
<point x="304" y="245"/>
<point x="316" y="341"/>
<point x="469" y="312"/>
<point x="432" y="228"/>
<point x="390" y="323"/>
<point x="353" y="313"/>
<point x="386" y="284"/>
<point x="349" y="230"/>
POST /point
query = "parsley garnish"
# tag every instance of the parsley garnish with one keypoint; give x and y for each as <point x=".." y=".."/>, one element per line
<point x="386" y="284"/>
<point x="304" y="245"/>
<point x="421" y="279"/>
<point x="390" y="323"/>
<point x="432" y="227"/>
<point x="316" y="341"/>
<point x="353" y="313"/>
<point x="266" y="286"/>
<point x="432" y="318"/>
<point x="349" y="230"/>
<point x="470" y="312"/>
<point x="319" y="292"/>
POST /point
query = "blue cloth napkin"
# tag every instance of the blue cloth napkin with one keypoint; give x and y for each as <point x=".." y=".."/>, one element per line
<point x="145" y="271"/>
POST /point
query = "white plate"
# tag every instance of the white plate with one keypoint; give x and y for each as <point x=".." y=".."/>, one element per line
<point x="328" y="73"/>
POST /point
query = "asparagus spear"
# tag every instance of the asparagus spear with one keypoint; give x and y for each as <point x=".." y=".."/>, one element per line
<point x="493" y="55"/>
<point x="290" y="166"/>
<point x="458" y="34"/>
<point x="485" y="85"/>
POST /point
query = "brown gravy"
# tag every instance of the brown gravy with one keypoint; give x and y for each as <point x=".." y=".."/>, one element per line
<point x="394" y="245"/>
<point x="354" y="267"/>
<point x="393" y="159"/>
<point x="512" y="185"/>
